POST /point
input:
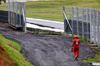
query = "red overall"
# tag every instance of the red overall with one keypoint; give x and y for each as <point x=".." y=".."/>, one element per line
<point x="76" y="43"/>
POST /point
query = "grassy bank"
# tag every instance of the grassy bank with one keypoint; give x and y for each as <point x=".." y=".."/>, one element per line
<point x="52" y="10"/>
<point x="96" y="58"/>
<point x="13" y="51"/>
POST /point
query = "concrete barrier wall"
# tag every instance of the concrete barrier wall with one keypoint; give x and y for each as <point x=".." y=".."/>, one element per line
<point x="86" y="31"/>
<point x="3" y="16"/>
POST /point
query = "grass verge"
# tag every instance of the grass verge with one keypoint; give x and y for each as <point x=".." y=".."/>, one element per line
<point x="52" y="33"/>
<point x="84" y="40"/>
<point x="96" y="59"/>
<point x="13" y="50"/>
<point x="53" y="10"/>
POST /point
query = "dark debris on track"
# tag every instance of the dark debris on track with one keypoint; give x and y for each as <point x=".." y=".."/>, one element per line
<point x="41" y="50"/>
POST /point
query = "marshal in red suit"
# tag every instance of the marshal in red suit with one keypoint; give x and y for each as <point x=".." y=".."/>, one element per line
<point x="75" y="44"/>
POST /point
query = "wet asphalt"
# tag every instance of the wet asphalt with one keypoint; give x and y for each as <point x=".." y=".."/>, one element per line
<point x="41" y="50"/>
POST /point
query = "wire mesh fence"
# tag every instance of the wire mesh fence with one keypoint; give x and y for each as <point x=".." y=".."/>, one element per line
<point x="84" y="22"/>
<point x="17" y="14"/>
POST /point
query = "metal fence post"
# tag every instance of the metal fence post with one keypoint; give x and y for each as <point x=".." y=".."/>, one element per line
<point x="12" y="6"/>
<point x="12" y="12"/>
<point x="19" y="13"/>
<point x="77" y="20"/>
<point x="98" y="27"/>
<point x="24" y="16"/>
<point x="90" y="25"/>
<point x="9" y="12"/>
<point x="87" y="23"/>
<point x="72" y="19"/>
<point x="94" y="26"/>
<point x="64" y="21"/>
<point x="16" y="12"/>
<point x="82" y="24"/>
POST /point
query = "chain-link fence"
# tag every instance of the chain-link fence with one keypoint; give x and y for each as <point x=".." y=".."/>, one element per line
<point x="83" y="21"/>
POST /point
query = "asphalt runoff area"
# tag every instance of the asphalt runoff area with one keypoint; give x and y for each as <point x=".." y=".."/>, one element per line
<point x="41" y="50"/>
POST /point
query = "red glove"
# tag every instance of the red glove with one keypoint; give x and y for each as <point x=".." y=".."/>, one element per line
<point x="72" y="49"/>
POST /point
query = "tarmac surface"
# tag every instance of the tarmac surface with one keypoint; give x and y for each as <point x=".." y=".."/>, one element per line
<point x="41" y="50"/>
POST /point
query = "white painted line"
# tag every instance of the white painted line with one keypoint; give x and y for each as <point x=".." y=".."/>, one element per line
<point x="97" y="64"/>
<point x="43" y="28"/>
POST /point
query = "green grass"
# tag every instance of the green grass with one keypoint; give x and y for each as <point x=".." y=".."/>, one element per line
<point x="13" y="50"/>
<point x="53" y="10"/>
<point x="96" y="58"/>
<point x="93" y="60"/>
<point x="43" y="32"/>
<point x="84" y="40"/>
<point x="96" y="48"/>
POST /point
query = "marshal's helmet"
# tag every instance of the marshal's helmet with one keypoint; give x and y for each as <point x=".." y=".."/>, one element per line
<point x="76" y="36"/>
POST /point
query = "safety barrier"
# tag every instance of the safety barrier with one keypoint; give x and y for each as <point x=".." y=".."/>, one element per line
<point x="83" y="22"/>
<point x="3" y="16"/>
<point x="17" y="15"/>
